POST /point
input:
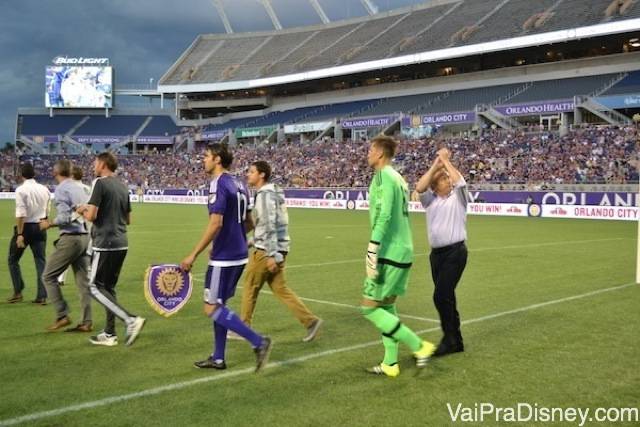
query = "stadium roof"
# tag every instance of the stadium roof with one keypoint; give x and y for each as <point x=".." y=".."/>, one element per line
<point x="442" y="29"/>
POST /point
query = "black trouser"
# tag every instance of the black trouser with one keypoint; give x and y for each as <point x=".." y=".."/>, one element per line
<point x="37" y="241"/>
<point x="447" y="265"/>
<point x="105" y="270"/>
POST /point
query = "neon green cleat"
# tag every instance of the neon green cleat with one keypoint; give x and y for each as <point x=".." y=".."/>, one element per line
<point x="424" y="354"/>
<point x="388" y="370"/>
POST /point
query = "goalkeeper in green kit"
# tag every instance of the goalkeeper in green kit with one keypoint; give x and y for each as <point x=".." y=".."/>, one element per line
<point x="389" y="258"/>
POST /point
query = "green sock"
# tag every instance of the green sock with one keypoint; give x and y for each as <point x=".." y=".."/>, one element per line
<point x="391" y="345"/>
<point x="390" y="325"/>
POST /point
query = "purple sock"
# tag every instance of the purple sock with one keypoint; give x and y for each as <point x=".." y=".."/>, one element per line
<point x="219" y="341"/>
<point x="229" y="320"/>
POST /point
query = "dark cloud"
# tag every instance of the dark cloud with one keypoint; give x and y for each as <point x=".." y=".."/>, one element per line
<point x="142" y="37"/>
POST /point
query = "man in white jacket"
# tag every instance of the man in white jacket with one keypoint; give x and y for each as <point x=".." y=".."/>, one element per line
<point x="271" y="242"/>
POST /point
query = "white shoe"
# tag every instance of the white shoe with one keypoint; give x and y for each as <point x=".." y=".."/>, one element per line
<point x="134" y="328"/>
<point x="233" y="336"/>
<point x="312" y="330"/>
<point x="104" y="339"/>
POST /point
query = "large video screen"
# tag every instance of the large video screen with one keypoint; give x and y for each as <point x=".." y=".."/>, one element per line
<point x="79" y="87"/>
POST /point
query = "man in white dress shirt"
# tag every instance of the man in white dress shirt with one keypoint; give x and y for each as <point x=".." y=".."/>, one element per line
<point x="443" y="193"/>
<point x="32" y="205"/>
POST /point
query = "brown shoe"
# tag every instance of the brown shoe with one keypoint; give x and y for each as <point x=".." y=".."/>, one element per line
<point x="59" y="324"/>
<point x="39" y="301"/>
<point x="80" y="328"/>
<point x="15" y="298"/>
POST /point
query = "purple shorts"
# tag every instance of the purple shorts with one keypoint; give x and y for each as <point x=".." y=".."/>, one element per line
<point x="220" y="283"/>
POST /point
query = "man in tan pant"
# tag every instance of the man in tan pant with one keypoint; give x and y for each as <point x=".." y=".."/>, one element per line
<point x="271" y="242"/>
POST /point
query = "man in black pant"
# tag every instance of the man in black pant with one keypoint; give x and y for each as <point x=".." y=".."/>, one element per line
<point x="32" y="205"/>
<point x="443" y="193"/>
<point x="110" y="211"/>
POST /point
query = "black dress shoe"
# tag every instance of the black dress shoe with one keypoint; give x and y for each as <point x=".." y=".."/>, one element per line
<point x="444" y="349"/>
<point x="40" y="301"/>
<point x="210" y="364"/>
<point x="15" y="298"/>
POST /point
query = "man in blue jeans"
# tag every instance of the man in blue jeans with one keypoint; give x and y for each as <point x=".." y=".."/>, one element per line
<point x="32" y="205"/>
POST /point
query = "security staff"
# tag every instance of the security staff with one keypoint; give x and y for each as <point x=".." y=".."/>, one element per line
<point x="32" y="204"/>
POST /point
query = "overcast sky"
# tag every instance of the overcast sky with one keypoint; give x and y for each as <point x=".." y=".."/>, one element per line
<point x="142" y="38"/>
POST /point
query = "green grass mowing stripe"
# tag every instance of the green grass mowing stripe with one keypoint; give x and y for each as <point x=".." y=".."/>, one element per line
<point x="339" y="304"/>
<point x="157" y="390"/>
<point x="471" y="250"/>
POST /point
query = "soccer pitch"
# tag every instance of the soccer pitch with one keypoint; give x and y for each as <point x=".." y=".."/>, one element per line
<point x="550" y="317"/>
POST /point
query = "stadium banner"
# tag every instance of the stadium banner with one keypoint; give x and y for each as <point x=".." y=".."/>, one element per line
<point x="316" y="203"/>
<point x="416" y="121"/>
<point x="307" y="127"/>
<point x="44" y="139"/>
<point x="536" y="108"/>
<point x="98" y="139"/>
<point x="512" y="197"/>
<point x="591" y="212"/>
<point x="493" y="209"/>
<point x="620" y="101"/>
<point x="7" y="195"/>
<point x="254" y="132"/>
<point x="539" y="197"/>
<point x="154" y="140"/>
<point x="214" y="135"/>
<point x="167" y="288"/>
<point x="368" y="122"/>
<point x="185" y="200"/>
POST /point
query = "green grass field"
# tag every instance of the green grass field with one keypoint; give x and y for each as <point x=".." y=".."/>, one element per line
<point x="527" y="338"/>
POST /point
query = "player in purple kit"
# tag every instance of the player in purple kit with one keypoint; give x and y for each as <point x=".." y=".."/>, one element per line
<point x="228" y="206"/>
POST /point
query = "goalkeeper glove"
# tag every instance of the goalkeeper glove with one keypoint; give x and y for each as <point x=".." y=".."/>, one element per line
<point x="371" y="260"/>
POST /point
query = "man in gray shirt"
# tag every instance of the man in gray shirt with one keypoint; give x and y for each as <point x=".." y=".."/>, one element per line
<point x="110" y="211"/>
<point x="443" y="194"/>
<point x="70" y="250"/>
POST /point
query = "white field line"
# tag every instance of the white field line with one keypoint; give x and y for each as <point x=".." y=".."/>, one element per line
<point x="471" y="250"/>
<point x="339" y="304"/>
<point x="184" y="384"/>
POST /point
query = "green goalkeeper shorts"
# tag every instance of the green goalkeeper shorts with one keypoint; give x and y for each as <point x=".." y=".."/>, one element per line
<point x="391" y="281"/>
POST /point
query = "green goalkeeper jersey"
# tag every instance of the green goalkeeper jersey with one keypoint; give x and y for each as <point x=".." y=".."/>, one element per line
<point x="389" y="216"/>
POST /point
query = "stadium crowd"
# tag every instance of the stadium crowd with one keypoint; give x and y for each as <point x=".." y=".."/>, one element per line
<point x="587" y="155"/>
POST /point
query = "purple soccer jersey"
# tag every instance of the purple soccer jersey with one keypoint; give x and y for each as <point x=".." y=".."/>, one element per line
<point x="229" y="197"/>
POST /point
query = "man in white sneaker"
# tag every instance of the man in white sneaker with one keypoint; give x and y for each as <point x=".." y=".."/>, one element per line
<point x="110" y="211"/>
<point x="271" y="242"/>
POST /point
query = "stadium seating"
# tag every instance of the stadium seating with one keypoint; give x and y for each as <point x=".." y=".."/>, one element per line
<point x="564" y="88"/>
<point x="114" y="125"/>
<point x="319" y="41"/>
<point x="630" y="84"/>
<point x="215" y="58"/>
<point x="588" y="155"/>
<point x="582" y="12"/>
<point x="509" y="19"/>
<point x="45" y="125"/>
<point x="410" y="25"/>
<point x="161" y="126"/>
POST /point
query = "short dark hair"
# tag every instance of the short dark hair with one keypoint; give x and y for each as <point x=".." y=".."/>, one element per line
<point x="109" y="159"/>
<point x="387" y="143"/>
<point x="263" y="167"/>
<point x="221" y="150"/>
<point x="64" y="167"/>
<point x="27" y="171"/>
<point x="77" y="173"/>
